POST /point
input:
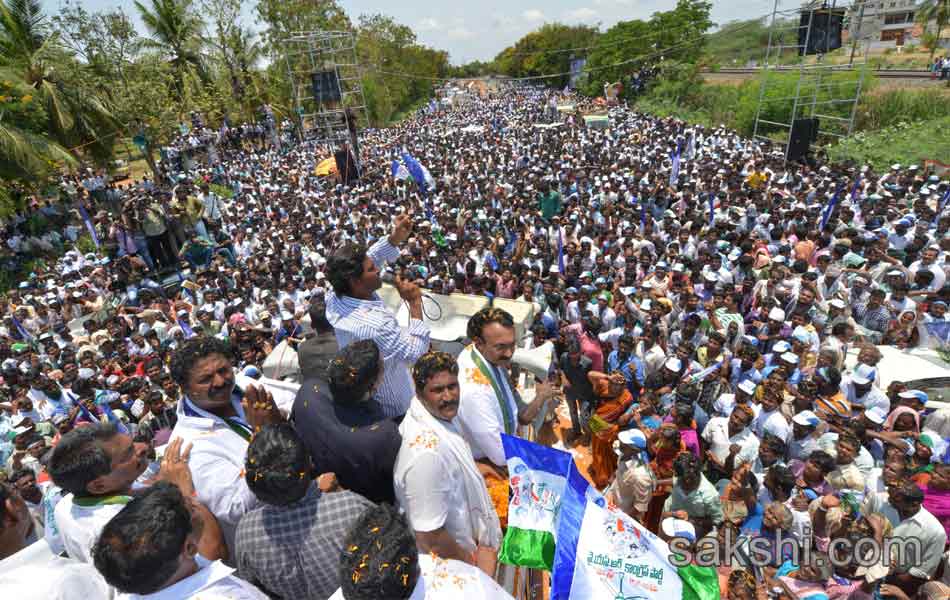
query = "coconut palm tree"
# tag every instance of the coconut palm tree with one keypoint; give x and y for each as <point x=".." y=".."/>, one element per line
<point x="937" y="11"/>
<point x="32" y="57"/>
<point x="175" y="30"/>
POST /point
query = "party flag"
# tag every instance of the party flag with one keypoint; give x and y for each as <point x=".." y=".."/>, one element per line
<point x="537" y="476"/>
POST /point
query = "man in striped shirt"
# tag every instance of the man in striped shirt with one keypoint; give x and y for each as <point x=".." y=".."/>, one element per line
<point x="357" y="313"/>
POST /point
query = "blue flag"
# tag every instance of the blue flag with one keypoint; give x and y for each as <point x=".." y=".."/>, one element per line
<point x="675" y="171"/>
<point x="643" y="216"/>
<point x="942" y="204"/>
<point x="103" y="398"/>
<point x="691" y="146"/>
<point x="603" y="554"/>
<point x="830" y="208"/>
<point x="20" y="329"/>
<point x="89" y="226"/>
<point x="712" y="207"/>
<point x="560" y="252"/>
<point x="537" y="476"/>
<point x="186" y="328"/>
<point x="415" y="169"/>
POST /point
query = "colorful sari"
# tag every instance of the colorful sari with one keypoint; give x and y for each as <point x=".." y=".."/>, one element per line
<point x="664" y="450"/>
<point x="604" y="431"/>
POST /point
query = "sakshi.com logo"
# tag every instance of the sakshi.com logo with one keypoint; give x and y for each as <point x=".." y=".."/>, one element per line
<point x="730" y="549"/>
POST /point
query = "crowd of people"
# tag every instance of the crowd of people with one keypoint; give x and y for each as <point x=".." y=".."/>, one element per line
<point x="716" y="315"/>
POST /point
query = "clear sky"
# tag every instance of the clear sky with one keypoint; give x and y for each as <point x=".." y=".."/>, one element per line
<point x="479" y="29"/>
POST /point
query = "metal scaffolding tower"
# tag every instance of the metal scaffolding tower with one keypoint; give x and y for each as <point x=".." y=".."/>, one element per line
<point x="825" y="91"/>
<point x="310" y="53"/>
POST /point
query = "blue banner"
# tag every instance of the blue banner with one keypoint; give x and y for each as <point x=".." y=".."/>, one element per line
<point x="830" y="208"/>
<point x="89" y="226"/>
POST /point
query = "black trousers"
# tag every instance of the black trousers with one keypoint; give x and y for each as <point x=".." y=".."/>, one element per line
<point x="161" y="249"/>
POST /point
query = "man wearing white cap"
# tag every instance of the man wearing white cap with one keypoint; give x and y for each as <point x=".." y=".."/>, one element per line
<point x="860" y="391"/>
<point x="633" y="485"/>
<point x="803" y="442"/>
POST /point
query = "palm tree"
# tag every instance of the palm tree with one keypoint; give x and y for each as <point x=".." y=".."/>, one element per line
<point x="32" y="57"/>
<point x="176" y="30"/>
<point x="937" y="11"/>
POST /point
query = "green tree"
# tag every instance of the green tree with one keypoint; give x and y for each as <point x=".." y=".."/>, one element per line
<point x="675" y="36"/>
<point x="547" y="51"/>
<point x="175" y="29"/>
<point x="284" y="17"/>
<point x="398" y="72"/>
<point x="937" y="11"/>
<point x="32" y="54"/>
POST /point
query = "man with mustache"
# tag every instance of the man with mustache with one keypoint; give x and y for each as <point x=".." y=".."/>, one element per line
<point x="437" y="482"/>
<point x="218" y="419"/>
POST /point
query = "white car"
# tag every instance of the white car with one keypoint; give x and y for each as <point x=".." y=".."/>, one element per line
<point x="918" y="368"/>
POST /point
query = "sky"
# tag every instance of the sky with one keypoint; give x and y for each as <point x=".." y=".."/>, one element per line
<point x="480" y="29"/>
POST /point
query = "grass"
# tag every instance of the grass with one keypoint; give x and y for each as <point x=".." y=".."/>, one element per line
<point x="904" y="142"/>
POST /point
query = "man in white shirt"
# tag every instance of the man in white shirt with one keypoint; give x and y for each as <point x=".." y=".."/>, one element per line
<point x="770" y="419"/>
<point x="730" y="439"/>
<point x="436" y="480"/>
<point x="357" y="313"/>
<point x="218" y="418"/>
<point x="96" y="467"/>
<point x="860" y="391"/>
<point x="150" y="551"/>
<point x="490" y="405"/>
<point x="917" y="528"/>
<point x="394" y="568"/>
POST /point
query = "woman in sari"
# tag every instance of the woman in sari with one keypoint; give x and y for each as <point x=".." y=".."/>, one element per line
<point x="613" y="400"/>
<point x="664" y="446"/>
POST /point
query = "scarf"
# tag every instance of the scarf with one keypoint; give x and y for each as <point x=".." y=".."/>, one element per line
<point x="484" y="520"/>
<point x="897" y="412"/>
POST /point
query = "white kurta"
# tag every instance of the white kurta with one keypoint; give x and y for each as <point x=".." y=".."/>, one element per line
<point x="435" y="489"/>
<point x="213" y="581"/>
<point x="480" y="416"/>
<point x="80" y="526"/>
<point x="217" y="466"/>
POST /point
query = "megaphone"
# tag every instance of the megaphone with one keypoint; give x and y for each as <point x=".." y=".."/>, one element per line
<point x="536" y="361"/>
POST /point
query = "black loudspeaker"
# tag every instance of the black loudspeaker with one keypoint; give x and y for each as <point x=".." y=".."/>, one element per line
<point x="825" y="34"/>
<point x="346" y="166"/>
<point x="804" y="132"/>
<point x="325" y="86"/>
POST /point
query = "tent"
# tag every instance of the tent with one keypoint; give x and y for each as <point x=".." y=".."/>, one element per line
<point x="326" y="167"/>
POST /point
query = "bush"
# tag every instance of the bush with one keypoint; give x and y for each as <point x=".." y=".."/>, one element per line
<point x="84" y="244"/>
<point x="900" y="143"/>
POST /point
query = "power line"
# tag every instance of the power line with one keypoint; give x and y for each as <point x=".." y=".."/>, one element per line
<point x="635" y="59"/>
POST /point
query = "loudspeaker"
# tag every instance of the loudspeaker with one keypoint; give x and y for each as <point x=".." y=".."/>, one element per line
<point x="536" y="361"/>
<point x="346" y="166"/>
<point x="325" y="86"/>
<point x="825" y="34"/>
<point x="804" y="132"/>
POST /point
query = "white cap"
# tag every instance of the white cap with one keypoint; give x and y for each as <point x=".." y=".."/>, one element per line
<point x="748" y="386"/>
<point x="633" y="437"/>
<point x="806" y="418"/>
<point x="286" y="315"/>
<point x="673" y="364"/>
<point x="876" y="415"/>
<point x="863" y="374"/>
<point x="837" y="303"/>
<point x="789" y="358"/>
<point x="780" y="347"/>
<point x="777" y="314"/>
<point x="674" y="528"/>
